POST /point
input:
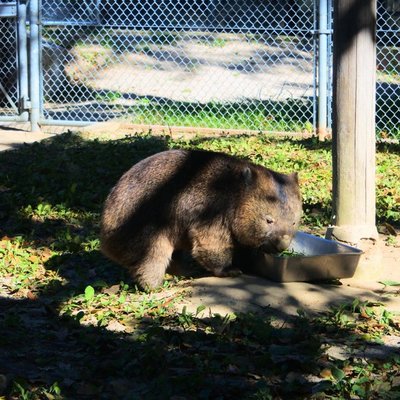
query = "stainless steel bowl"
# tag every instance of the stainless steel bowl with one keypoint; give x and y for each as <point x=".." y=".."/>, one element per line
<point x="320" y="259"/>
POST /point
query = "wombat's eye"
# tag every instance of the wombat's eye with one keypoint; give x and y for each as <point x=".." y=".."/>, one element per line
<point x="269" y="219"/>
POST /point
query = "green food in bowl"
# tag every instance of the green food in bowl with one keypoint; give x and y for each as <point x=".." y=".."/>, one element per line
<point x="290" y="253"/>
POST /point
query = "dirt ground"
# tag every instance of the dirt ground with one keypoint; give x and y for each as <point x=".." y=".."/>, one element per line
<point x="199" y="69"/>
<point x="377" y="279"/>
<point x="380" y="263"/>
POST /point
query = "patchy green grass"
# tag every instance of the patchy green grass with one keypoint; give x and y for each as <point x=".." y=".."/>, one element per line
<point x="74" y="326"/>
<point x="291" y="115"/>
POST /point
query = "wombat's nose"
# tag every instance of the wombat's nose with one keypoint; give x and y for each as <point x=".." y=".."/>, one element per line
<point x="284" y="242"/>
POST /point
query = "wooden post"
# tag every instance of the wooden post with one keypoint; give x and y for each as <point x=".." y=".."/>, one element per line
<point x="354" y="79"/>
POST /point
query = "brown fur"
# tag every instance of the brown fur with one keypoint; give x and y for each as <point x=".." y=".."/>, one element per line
<point x="206" y="203"/>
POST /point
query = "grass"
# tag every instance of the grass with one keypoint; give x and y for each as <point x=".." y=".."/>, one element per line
<point x="257" y="116"/>
<point x="74" y="326"/>
<point x="285" y="116"/>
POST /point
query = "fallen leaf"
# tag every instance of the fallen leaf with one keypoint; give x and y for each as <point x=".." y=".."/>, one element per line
<point x="364" y="314"/>
<point x="254" y="376"/>
<point x="114" y="289"/>
<point x="326" y="373"/>
<point x="390" y="229"/>
<point x="33" y="259"/>
<point x="348" y="369"/>
<point x="116" y="326"/>
<point x="31" y="296"/>
<point x="45" y="255"/>
<point x="338" y="352"/>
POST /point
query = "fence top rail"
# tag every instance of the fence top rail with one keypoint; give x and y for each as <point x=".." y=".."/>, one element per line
<point x="196" y="27"/>
<point x="8" y="10"/>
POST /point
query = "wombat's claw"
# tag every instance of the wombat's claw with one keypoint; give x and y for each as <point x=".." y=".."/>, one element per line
<point x="234" y="272"/>
<point x="228" y="272"/>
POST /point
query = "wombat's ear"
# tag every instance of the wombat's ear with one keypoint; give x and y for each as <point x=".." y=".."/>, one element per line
<point x="247" y="175"/>
<point x="295" y="176"/>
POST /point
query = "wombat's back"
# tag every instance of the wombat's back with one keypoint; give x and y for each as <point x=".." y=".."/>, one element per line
<point x="167" y="183"/>
<point x="137" y="186"/>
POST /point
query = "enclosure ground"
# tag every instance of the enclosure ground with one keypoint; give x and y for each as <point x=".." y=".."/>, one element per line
<point x="248" y="293"/>
<point x="230" y="295"/>
<point x="81" y="329"/>
<point x="14" y="134"/>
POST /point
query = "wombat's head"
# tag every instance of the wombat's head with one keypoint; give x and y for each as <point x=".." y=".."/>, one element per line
<point x="270" y="212"/>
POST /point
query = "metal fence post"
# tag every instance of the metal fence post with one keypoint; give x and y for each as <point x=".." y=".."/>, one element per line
<point x="22" y="61"/>
<point x="323" y="69"/>
<point x="34" y="64"/>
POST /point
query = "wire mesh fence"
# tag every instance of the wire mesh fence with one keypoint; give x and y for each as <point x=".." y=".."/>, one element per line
<point x="388" y="69"/>
<point x="8" y="61"/>
<point x="236" y="64"/>
<point x="206" y="63"/>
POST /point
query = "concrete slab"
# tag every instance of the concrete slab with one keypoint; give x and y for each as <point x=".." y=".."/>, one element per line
<point x="12" y="136"/>
<point x="249" y="293"/>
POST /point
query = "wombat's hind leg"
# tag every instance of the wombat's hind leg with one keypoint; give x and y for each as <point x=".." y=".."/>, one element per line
<point x="150" y="270"/>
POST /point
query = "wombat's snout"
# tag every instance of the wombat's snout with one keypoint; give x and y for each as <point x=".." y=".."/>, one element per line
<point x="278" y="244"/>
<point x="283" y="242"/>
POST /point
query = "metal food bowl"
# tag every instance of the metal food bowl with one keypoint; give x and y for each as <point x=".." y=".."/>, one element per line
<point x="319" y="259"/>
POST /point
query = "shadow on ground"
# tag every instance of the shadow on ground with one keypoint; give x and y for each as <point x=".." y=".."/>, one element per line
<point x="51" y="197"/>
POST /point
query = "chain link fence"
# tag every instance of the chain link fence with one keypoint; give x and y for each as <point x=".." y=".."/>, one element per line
<point x="388" y="69"/>
<point x="249" y="65"/>
<point x="217" y="64"/>
<point x="8" y="61"/>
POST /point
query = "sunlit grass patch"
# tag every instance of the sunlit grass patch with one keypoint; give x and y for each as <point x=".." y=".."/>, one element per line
<point x="117" y="307"/>
<point x="22" y="267"/>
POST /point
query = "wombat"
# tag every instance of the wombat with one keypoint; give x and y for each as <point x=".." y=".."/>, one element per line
<point x="208" y="204"/>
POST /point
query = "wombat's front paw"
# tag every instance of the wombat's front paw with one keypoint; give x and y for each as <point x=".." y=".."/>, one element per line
<point x="234" y="272"/>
